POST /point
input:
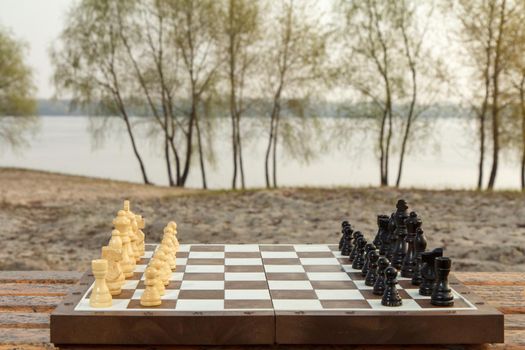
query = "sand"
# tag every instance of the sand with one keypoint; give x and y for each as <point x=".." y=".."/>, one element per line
<point x="59" y="222"/>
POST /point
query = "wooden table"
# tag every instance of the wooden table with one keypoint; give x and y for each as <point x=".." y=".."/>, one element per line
<point x="28" y="297"/>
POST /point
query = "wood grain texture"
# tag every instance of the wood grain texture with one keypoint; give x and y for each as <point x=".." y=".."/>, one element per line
<point x="47" y="277"/>
<point x="491" y="278"/>
<point x="20" y="330"/>
<point x="507" y="299"/>
<point x="29" y="303"/>
<point x="34" y="289"/>
<point x="24" y="320"/>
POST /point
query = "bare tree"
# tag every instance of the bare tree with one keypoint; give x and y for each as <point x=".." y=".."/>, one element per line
<point x="239" y="35"/>
<point x="426" y="73"/>
<point x="484" y="30"/>
<point x="295" y="51"/>
<point x="89" y="63"/>
<point x="195" y="37"/>
<point x="515" y="73"/>
<point x="369" y="63"/>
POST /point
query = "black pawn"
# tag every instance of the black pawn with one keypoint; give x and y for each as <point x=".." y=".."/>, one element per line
<point x="359" y="260"/>
<point x="371" y="276"/>
<point x="391" y="296"/>
<point x="341" y="241"/>
<point x="428" y="271"/>
<point x="353" y="253"/>
<point x="442" y="294"/>
<point x="416" y="276"/>
<point x="420" y="242"/>
<point x="368" y="248"/>
<point x="379" y="284"/>
<point x="347" y="245"/>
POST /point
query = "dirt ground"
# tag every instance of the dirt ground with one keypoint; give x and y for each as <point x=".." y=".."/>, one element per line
<point x="59" y="222"/>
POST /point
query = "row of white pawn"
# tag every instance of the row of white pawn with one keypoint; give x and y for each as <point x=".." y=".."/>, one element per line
<point x="124" y="250"/>
<point x="160" y="267"/>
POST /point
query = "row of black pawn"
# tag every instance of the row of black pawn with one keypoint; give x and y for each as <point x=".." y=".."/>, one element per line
<point x="380" y="265"/>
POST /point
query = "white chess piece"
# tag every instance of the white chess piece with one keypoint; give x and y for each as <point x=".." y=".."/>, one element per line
<point x="115" y="277"/>
<point x="116" y="243"/>
<point x="164" y="270"/>
<point x="170" y="257"/>
<point x="151" y="296"/>
<point x="141" y="243"/>
<point x="100" y="295"/>
<point x="121" y="223"/>
<point x="157" y="265"/>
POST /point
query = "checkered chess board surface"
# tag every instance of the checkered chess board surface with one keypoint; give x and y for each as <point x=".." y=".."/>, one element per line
<point x="264" y="277"/>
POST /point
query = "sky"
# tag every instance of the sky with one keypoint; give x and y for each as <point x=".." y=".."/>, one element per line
<point x="38" y="23"/>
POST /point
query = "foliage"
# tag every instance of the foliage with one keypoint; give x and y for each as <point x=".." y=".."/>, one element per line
<point x="17" y="101"/>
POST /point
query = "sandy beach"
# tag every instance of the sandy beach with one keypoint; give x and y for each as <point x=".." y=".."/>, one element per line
<point x="59" y="222"/>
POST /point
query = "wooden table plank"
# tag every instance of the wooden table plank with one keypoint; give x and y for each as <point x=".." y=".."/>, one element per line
<point x="491" y="278"/>
<point x="49" y="277"/>
<point x="24" y="320"/>
<point x="24" y="336"/>
<point x="34" y="289"/>
<point x="28" y="303"/>
<point x="507" y="299"/>
<point x="515" y="322"/>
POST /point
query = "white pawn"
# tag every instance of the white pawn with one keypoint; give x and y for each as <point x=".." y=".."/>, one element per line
<point x="100" y="295"/>
<point x="169" y="232"/>
<point x="165" y="271"/>
<point x="121" y="223"/>
<point x="173" y="226"/>
<point x="133" y="237"/>
<point x="157" y="265"/>
<point x="114" y="278"/>
<point x="133" y="228"/>
<point x="170" y="258"/>
<point x="166" y="241"/>
<point x="151" y="296"/>
<point x="141" y="243"/>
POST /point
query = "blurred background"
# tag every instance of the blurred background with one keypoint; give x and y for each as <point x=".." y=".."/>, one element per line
<point x="291" y="115"/>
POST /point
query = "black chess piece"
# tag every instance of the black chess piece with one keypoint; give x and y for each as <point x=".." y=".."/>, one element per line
<point x="371" y="276"/>
<point x="400" y="248"/>
<point x="428" y="271"/>
<point x="379" y="284"/>
<point x="416" y="276"/>
<point x="420" y="242"/>
<point x="359" y="260"/>
<point x="420" y="245"/>
<point x="377" y="239"/>
<point x="343" y="225"/>
<point x="353" y="252"/>
<point x="368" y="248"/>
<point x="391" y="296"/>
<point x="391" y="236"/>
<point x="442" y="294"/>
<point x="384" y="246"/>
<point x="409" y="261"/>
<point x="347" y="245"/>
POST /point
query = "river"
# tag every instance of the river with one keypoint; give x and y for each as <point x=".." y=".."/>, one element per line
<point x="446" y="159"/>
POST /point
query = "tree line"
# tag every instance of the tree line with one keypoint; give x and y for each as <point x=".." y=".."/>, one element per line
<point x="180" y="62"/>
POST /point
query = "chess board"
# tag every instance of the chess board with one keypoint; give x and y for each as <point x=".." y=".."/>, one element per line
<point x="267" y="294"/>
